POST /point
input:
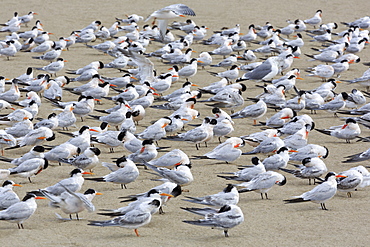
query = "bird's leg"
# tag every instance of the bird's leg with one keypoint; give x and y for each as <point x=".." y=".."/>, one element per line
<point x="309" y="181"/>
<point x="19" y="227"/>
<point x="266" y="196"/>
<point x="161" y="210"/>
<point x="82" y="119"/>
<point x="137" y="233"/>
<point x="349" y="194"/>
<point x="196" y="145"/>
<point x="125" y="186"/>
<point x="219" y="139"/>
<point x="205" y="143"/>
<point x="70" y="216"/>
<point x="323" y="206"/>
<point x="77" y="217"/>
<point x="261" y="196"/>
<point x="2" y="152"/>
<point x="29" y="179"/>
<point x="226" y="233"/>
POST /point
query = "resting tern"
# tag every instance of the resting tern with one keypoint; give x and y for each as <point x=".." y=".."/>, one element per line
<point x="155" y="131"/>
<point x="137" y="200"/>
<point x="36" y="136"/>
<point x="35" y="152"/>
<point x="254" y="111"/>
<point x="87" y="160"/>
<point x="29" y="168"/>
<point x="73" y="183"/>
<point x="229" y="196"/>
<point x="202" y="133"/>
<point x="349" y="131"/>
<point x="350" y="182"/>
<point x="133" y="219"/>
<point x="62" y="151"/>
<point x="171" y="159"/>
<point x="311" y="168"/>
<point x="315" y="20"/>
<point x="7" y="196"/>
<point x="321" y="193"/>
<point x="279" y="118"/>
<point x="181" y="174"/>
<point x="228" y="216"/>
<point x="263" y="182"/>
<point x="338" y="103"/>
<point x="309" y="151"/>
<point x="246" y="174"/>
<point x="126" y="173"/>
<point x="268" y="145"/>
<point x="20" y="211"/>
<point x="227" y="151"/>
<point x="278" y="160"/>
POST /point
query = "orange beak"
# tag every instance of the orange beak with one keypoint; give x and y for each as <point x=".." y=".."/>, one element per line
<point x="40" y="197"/>
<point x="88" y="173"/>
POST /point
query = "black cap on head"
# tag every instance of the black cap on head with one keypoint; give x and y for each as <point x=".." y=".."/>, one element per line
<point x="75" y="171"/>
<point x="96" y="151"/>
<point x="155" y="202"/>
<point x="89" y="192"/>
<point x="121" y="160"/>
<point x="147" y="142"/>
<point x="329" y="175"/>
<point x="28" y="196"/>
<point x="151" y="192"/>
<point x="255" y="161"/>
<point x="7" y="182"/>
<point x="228" y="188"/>
<point x="83" y="128"/>
<point x="176" y="191"/>
<point x="216" y="110"/>
<point x="306" y="160"/>
<point x="52" y="115"/>
<point x="39" y="149"/>
<point x="282" y="149"/>
<point x="224" y="208"/>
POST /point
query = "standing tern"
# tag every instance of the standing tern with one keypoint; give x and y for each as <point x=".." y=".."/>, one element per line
<point x="321" y="193"/>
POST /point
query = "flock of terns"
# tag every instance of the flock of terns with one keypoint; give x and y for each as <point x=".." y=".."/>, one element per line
<point x="283" y="139"/>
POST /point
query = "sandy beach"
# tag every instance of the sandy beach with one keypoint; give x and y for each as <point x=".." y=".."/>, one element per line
<point x="267" y="222"/>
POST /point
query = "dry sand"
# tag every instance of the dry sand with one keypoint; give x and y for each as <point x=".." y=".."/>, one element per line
<point x="267" y="222"/>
